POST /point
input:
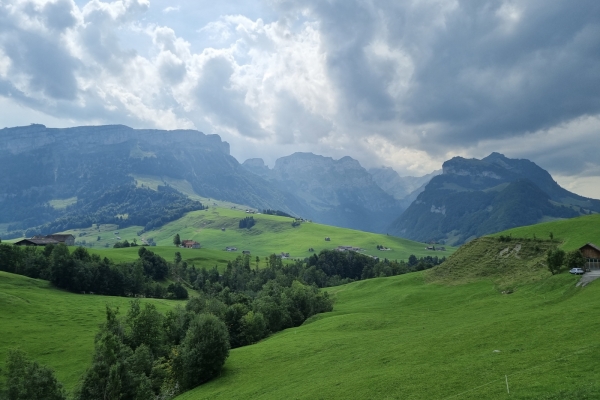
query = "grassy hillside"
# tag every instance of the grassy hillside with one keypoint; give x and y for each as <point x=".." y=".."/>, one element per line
<point x="572" y="233"/>
<point x="271" y="234"/>
<point x="507" y="264"/>
<point x="402" y="338"/>
<point x="53" y="326"/>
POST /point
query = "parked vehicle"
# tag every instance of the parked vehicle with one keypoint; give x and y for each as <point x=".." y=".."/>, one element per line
<point x="576" y="271"/>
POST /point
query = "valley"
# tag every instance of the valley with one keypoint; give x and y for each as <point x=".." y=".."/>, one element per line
<point x="217" y="228"/>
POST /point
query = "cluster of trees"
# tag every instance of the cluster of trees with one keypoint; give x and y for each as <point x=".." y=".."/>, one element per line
<point x="80" y="271"/>
<point x="246" y="223"/>
<point x="146" y="354"/>
<point x="125" y="243"/>
<point x="276" y="212"/>
<point x="26" y="379"/>
<point x="557" y="259"/>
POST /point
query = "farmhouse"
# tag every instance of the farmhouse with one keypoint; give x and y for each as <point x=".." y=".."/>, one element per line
<point x="591" y="253"/>
<point x="190" y="244"/>
<point x="246" y="252"/>
<point x="40" y="240"/>
<point x="230" y="248"/>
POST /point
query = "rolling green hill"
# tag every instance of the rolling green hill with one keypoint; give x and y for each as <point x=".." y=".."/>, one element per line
<point x="571" y="233"/>
<point x="271" y="234"/>
<point x="491" y="312"/>
<point x="399" y="337"/>
<point x="53" y="326"/>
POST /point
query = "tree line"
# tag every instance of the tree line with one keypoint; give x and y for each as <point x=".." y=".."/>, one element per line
<point x="81" y="271"/>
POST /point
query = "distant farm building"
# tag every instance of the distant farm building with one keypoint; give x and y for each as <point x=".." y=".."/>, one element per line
<point x="284" y="255"/>
<point x="230" y="248"/>
<point x="591" y="253"/>
<point x="348" y="248"/>
<point x="40" y="240"/>
<point x="190" y="244"/>
<point x="246" y="252"/>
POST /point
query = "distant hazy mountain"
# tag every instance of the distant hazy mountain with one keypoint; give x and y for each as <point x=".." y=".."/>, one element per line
<point x="476" y="197"/>
<point x="49" y="174"/>
<point x="337" y="192"/>
<point x="403" y="188"/>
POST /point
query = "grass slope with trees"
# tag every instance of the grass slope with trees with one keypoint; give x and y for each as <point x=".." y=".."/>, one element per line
<point x="217" y="228"/>
<point x="493" y="312"/>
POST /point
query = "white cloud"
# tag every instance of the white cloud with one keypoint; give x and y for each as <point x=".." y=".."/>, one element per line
<point x="170" y="9"/>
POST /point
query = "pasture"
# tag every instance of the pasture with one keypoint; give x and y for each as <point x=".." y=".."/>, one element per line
<point x="53" y="326"/>
<point x="401" y="338"/>
<point x="570" y="233"/>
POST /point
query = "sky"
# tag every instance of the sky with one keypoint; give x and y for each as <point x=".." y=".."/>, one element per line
<point x="406" y="84"/>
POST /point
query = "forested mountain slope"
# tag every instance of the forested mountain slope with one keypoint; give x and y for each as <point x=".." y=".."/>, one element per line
<point x="478" y="197"/>
<point x="68" y="173"/>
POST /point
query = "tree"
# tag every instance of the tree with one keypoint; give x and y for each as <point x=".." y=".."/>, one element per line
<point x="554" y="260"/>
<point x="574" y="259"/>
<point x="551" y="236"/>
<point x="177" y="240"/>
<point x="203" y="351"/>
<point x="29" y="380"/>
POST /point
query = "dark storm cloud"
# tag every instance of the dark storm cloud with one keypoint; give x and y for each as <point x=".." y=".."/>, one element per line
<point x="482" y="69"/>
<point x="483" y="83"/>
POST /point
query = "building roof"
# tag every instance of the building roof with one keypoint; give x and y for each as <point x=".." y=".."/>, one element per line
<point x="36" y="242"/>
<point x="59" y="236"/>
<point x="592" y="245"/>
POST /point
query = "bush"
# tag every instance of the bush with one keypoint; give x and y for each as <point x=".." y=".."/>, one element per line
<point x="28" y="380"/>
<point x="203" y="351"/>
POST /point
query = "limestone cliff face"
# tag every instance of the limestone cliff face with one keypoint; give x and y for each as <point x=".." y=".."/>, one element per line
<point x="27" y="138"/>
<point x="42" y="164"/>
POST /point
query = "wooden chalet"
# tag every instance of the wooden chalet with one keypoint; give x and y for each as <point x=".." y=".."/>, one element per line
<point x="591" y="252"/>
<point x="190" y="244"/>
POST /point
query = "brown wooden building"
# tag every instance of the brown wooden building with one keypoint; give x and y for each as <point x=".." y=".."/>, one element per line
<point x="591" y="252"/>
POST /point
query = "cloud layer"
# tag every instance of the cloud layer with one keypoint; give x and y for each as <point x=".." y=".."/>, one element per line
<point x="406" y="84"/>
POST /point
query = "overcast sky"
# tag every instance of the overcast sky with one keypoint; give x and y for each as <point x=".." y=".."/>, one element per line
<point x="407" y="84"/>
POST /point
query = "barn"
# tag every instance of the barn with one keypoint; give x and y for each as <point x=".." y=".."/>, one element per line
<point x="591" y="252"/>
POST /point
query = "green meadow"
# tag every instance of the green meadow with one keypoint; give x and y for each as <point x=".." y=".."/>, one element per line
<point x="491" y="314"/>
<point x="217" y="228"/>
<point x="571" y="233"/>
<point x="401" y="338"/>
<point x="53" y="326"/>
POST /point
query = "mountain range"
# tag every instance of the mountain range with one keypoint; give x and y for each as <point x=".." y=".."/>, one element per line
<point x="335" y="192"/>
<point x="472" y="198"/>
<point x="57" y="179"/>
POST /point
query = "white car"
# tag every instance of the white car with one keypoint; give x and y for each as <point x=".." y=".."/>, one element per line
<point x="576" y="271"/>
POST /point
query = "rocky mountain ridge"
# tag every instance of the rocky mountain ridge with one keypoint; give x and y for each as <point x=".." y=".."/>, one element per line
<point x="475" y="197"/>
<point x="338" y="192"/>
